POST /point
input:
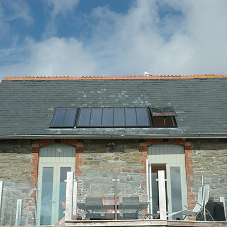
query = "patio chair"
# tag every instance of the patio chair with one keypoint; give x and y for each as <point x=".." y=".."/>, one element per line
<point x="93" y="207"/>
<point x="93" y="203"/>
<point x="199" y="205"/>
<point x="130" y="207"/>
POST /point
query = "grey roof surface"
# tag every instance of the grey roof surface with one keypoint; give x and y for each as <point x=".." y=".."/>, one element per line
<point x="27" y="107"/>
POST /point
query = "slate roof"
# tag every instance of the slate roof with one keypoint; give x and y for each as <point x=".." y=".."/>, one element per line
<point x="28" y="104"/>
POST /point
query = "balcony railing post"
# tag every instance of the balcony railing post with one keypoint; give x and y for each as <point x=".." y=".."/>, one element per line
<point x="162" y="194"/>
<point x="149" y="188"/>
<point x="75" y="198"/>
<point x="69" y="196"/>
<point x="1" y="192"/>
<point x="18" y="212"/>
<point x="115" y="196"/>
<point x="203" y="196"/>
<point x="222" y="200"/>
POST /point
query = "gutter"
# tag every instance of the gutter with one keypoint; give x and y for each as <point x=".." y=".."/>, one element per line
<point x="123" y="136"/>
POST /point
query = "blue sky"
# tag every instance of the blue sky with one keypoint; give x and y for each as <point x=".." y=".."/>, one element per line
<point x="112" y="37"/>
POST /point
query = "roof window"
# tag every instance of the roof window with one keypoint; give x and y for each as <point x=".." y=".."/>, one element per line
<point x="163" y="117"/>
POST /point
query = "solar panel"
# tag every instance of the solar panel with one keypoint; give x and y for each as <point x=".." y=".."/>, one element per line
<point x="96" y="117"/>
<point x="69" y="120"/>
<point x="119" y="117"/>
<point x="85" y="115"/>
<point x="64" y="117"/>
<point x="142" y="117"/>
<point x="114" y="117"/>
<point x="107" y="117"/>
<point x="58" y="118"/>
<point x="130" y="117"/>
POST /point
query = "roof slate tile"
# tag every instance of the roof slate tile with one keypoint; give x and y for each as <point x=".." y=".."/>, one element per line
<point x="27" y="106"/>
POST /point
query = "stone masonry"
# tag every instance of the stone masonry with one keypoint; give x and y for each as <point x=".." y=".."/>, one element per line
<point x="15" y="168"/>
<point x="100" y="159"/>
<point x="210" y="159"/>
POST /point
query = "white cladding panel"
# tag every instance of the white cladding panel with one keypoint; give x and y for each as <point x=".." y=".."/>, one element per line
<point x="166" y="154"/>
<point x="57" y="153"/>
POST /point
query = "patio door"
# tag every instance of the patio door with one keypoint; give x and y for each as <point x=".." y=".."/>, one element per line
<point x="54" y="163"/>
<point x="171" y="159"/>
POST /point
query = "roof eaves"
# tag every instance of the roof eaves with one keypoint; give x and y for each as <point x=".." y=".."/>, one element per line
<point x="108" y="136"/>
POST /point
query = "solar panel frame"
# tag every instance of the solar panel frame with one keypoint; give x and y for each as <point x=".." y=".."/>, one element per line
<point x="84" y="117"/>
<point x="69" y="119"/>
<point x="96" y="117"/>
<point x="145" y="120"/>
<point x="130" y="117"/>
<point x="107" y="117"/>
<point x="119" y="117"/>
<point x="64" y="118"/>
<point x="58" y="117"/>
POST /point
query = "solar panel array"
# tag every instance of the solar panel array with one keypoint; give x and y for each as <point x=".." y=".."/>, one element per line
<point x="107" y="117"/>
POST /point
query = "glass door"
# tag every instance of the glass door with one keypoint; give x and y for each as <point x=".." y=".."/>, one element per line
<point x="171" y="159"/>
<point x="54" y="163"/>
<point x="52" y="193"/>
<point x="47" y="186"/>
<point x="176" y="189"/>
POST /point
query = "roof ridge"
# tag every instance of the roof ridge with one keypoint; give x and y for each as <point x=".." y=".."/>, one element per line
<point x="139" y="77"/>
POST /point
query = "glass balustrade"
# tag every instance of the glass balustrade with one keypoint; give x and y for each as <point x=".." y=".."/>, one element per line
<point x="18" y="204"/>
<point x="110" y="196"/>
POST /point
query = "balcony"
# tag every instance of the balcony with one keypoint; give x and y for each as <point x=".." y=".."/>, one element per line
<point x="114" y="199"/>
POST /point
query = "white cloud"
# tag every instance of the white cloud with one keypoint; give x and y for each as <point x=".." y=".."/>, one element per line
<point x="57" y="8"/>
<point x="61" y="7"/>
<point x="58" y="57"/>
<point x="52" y="57"/>
<point x="10" y="11"/>
<point x="3" y="26"/>
<point x="162" y="37"/>
<point x="192" y="42"/>
<point x="18" y="10"/>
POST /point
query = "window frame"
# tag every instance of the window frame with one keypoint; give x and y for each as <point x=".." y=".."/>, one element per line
<point x="163" y="113"/>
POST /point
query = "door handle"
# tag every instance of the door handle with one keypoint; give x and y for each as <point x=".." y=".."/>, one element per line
<point x="53" y="201"/>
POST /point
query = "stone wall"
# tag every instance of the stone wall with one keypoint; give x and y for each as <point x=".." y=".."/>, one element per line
<point x="124" y="156"/>
<point x="101" y="159"/>
<point x="98" y="161"/>
<point x="210" y="159"/>
<point x="15" y="167"/>
<point x="15" y="161"/>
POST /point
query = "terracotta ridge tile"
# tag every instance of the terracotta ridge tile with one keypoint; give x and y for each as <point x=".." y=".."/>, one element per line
<point x="139" y="77"/>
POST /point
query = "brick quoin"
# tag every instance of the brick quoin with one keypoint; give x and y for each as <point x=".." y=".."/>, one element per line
<point x="189" y="174"/>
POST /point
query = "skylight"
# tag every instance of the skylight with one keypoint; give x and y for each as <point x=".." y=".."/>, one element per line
<point x="163" y="117"/>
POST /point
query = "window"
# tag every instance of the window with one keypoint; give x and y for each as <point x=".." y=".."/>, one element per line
<point x="163" y="117"/>
<point x="64" y="118"/>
